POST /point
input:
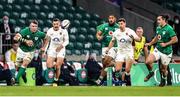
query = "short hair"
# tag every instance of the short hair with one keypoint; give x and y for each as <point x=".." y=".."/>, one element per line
<point x="122" y="20"/>
<point x="34" y="22"/>
<point x="55" y="19"/>
<point x="139" y="27"/>
<point x="165" y="17"/>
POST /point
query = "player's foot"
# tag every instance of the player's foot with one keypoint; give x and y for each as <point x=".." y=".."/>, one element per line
<point x="98" y="82"/>
<point x="163" y="82"/>
<point x="13" y="81"/>
<point x="148" y="76"/>
<point x="123" y="83"/>
<point x="55" y="83"/>
<point x="24" y="78"/>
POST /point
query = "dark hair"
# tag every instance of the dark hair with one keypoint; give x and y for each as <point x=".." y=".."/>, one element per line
<point x="34" y="22"/>
<point x="55" y="19"/>
<point x="165" y="17"/>
<point x="122" y="19"/>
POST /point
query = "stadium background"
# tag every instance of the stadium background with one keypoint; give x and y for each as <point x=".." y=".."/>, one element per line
<point x="84" y="18"/>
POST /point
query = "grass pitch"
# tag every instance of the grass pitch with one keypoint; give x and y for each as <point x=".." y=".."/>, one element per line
<point x="88" y="91"/>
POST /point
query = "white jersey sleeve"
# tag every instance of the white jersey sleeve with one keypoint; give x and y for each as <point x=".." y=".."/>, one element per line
<point x="66" y="38"/>
<point x="133" y="34"/>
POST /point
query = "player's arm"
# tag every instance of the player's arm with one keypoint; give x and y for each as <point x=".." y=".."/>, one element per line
<point x="111" y="44"/>
<point x="134" y="36"/>
<point x="45" y="43"/>
<point x="173" y="40"/>
<point x="66" y="39"/>
<point x="99" y="35"/>
<point x="153" y="41"/>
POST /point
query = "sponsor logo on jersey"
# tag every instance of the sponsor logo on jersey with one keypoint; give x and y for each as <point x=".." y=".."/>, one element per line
<point x="159" y="37"/>
<point x="122" y="40"/>
<point x="56" y="39"/>
<point x="110" y="32"/>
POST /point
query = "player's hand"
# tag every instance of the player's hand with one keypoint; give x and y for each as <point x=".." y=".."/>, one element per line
<point x="100" y="38"/>
<point x="163" y="44"/>
<point x="43" y="49"/>
<point x="147" y="44"/>
<point x="107" y="50"/>
<point x="29" y="42"/>
<point x="59" y="48"/>
<point x="44" y="55"/>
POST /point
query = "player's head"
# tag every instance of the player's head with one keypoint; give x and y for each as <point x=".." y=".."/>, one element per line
<point x="139" y="31"/>
<point x="111" y="19"/>
<point x="56" y="24"/>
<point x="15" y="46"/>
<point x="122" y="23"/>
<point x="162" y="20"/>
<point x="33" y="26"/>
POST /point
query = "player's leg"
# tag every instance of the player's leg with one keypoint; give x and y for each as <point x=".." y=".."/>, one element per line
<point x="149" y="63"/>
<point x="107" y="60"/>
<point x="129" y="62"/>
<point x="165" y="60"/>
<point x="26" y="58"/>
<point x="59" y="62"/>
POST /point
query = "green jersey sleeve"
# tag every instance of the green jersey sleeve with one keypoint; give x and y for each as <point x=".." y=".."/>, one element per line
<point x="100" y="28"/>
<point x="42" y="35"/>
<point x="24" y="31"/>
<point x="171" y="32"/>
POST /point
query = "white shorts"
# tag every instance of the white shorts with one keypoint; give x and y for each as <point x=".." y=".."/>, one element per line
<point x="165" y="59"/>
<point x="123" y="56"/>
<point x="112" y="52"/>
<point x="54" y="54"/>
<point x="21" y="55"/>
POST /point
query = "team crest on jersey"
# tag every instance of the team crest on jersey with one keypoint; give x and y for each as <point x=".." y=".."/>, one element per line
<point x="159" y="37"/>
<point x="126" y="33"/>
<point x="106" y="28"/>
<point x="60" y="33"/>
<point x="110" y="32"/>
<point x="164" y="32"/>
<point x="36" y="38"/>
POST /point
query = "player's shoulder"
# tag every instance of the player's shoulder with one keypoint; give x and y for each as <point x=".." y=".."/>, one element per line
<point x="25" y="29"/>
<point x="169" y="27"/>
<point x="116" y="31"/>
<point x="116" y="25"/>
<point x="129" y="29"/>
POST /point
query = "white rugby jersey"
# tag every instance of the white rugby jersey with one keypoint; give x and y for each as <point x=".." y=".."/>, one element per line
<point x="57" y="38"/>
<point x="124" y="41"/>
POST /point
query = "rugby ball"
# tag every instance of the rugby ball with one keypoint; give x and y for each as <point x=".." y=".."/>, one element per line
<point x="65" y="24"/>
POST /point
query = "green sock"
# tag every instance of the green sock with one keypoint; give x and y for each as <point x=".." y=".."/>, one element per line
<point x="20" y="73"/>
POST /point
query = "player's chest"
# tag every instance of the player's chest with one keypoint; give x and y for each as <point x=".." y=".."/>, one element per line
<point x="57" y="37"/>
<point x="34" y="37"/>
<point x="109" y="30"/>
<point x="162" y="34"/>
<point x="123" y="37"/>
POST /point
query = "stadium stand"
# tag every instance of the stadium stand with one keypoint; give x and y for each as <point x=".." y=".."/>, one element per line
<point x="82" y="25"/>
